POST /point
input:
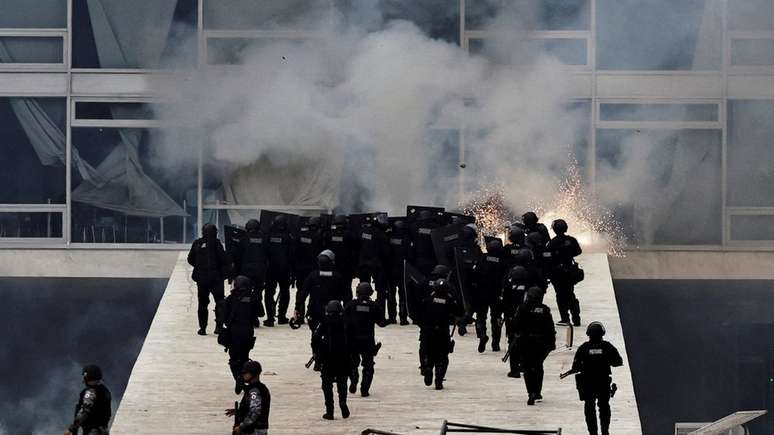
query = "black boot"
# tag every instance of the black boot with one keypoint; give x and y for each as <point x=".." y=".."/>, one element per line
<point x="353" y="379"/>
<point x="341" y="388"/>
<point x="365" y="387"/>
<point x="440" y="373"/>
<point x="328" y="395"/>
<point x="482" y="344"/>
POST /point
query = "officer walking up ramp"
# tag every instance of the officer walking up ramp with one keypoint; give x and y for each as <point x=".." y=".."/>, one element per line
<point x="181" y="382"/>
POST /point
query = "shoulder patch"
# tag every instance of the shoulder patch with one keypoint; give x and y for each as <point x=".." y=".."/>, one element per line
<point x="366" y="236"/>
<point x="538" y="310"/>
<point x="326" y="273"/>
<point x="203" y="245"/>
<point x="254" y="395"/>
<point x="89" y="394"/>
<point x="596" y="351"/>
<point x="492" y="259"/>
<point x="439" y="301"/>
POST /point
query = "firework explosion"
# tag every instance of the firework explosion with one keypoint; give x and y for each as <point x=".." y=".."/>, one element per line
<point x="588" y="222"/>
<point x="492" y="214"/>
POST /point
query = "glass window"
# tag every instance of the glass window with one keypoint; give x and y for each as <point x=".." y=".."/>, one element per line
<point x="137" y="34"/>
<point x="752" y="227"/>
<point x="127" y="193"/>
<point x="263" y="14"/>
<point x="32" y="146"/>
<point x="235" y="51"/>
<point x="27" y="49"/>
<point x="30" y="225"/>
<point x="750" y="163"/>
<point x="568" y="51"/>
<point x="438" y="19"/>
<point x="36" y="14"/>
<point x="540" y="14"/>
<point x="109" y="110"/>
<point x="751" y="15"/>
<point x="658" y="35"/>
<point x="752" y="52"/>
<point x="658" y="112"/>
<point x="665" y="185"/>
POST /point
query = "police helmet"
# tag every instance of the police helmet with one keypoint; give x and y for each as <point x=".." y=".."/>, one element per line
<point x="92" y="373"/>
<point x="494" y="245"/>
<point x="535" y="294"/>
<point x="425" y="215"/>
<point x="242" y="282"/>
<point x="440" y="271"/>
<point x="334" y="308"/>
<point x="559" y="226"/>
<point x="535" y="240"/>
<point x="516" y="236"/>
<point x="529" y="218"/>
<point x="595" y="330"/>
<point x="252" y="367"/>
<point x="517" y="273"/>
<point x="210" y="231"/>
<point x="252" y="226"/>
<point x="314" y="221"/>
<point x="364" y="289"/>
<point x="523" y="257"/>
<point x="339" y="219"/>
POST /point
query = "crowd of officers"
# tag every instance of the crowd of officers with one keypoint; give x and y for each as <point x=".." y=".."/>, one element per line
<point x="502" y="283"/>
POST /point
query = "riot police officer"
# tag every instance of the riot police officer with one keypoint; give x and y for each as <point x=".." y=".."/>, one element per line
<point x="343" y="243"/>
<point x="400" y="251"/>
<point x="238" y="312"/>
<point x="532" y="225"/>
<point x="438" y="310"/>
<point x="332" y="351"/>
<point x="513" y="295"/>
<point x="466" y="275"/>
<point x="280" y="272"/>
<point x="92" y="414"/>
<point x="536" y="334"/>
<point x="321" y="286"/>
<point x="372" y="259"/>
<point x="252" y="416"/>
<point x="592" y="364"/>
<point x="563" y="250"/>
<point x="516" y="240"/>
<point x="252" y="261"/>
<point x="360" y="317"/>
<point x="490" y="276"/>
<point x="308" y="246"/>
<point x="211" y="266"/>
<point x="424" y="251"/>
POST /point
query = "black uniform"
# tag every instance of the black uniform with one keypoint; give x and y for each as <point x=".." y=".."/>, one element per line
<point x="211" y="267"/>
<point x="563" y="250"/>
<point x="253" y="262"/>
<point x="541" y="257"/>
<point x="92" y="414"/>
<point x="253" y="411"/>
<point x="332" y="351"/>
<point x="400" y="251"/>
<point x="534" y="327"/>
<point x="514" y="293"/>
<point x="321" y="287"/>
<point x="360" y="316"/>
<point x="373" y="255"/>
<point x="344" y="245"/>
<point x="280" y="273"/>
<point x="439" y="308"/>
<point x="491" y="273"/>
<point x="308" y="246"/>
<point x="239" y="310"/>
<point x="593" y="361"/>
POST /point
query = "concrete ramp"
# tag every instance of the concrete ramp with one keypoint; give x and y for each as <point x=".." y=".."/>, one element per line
<point x="181" y="382"/>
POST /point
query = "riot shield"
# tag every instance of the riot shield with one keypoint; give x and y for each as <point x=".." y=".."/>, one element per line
<point x="465" y="260"/>
<point x="445" y="239"/>
<point x="233" y="236"/>
<point x="268" y="216"/>
<point x="412" y="212"/>
<point x="414" y="289"/>
<point x="451" y="217"/>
